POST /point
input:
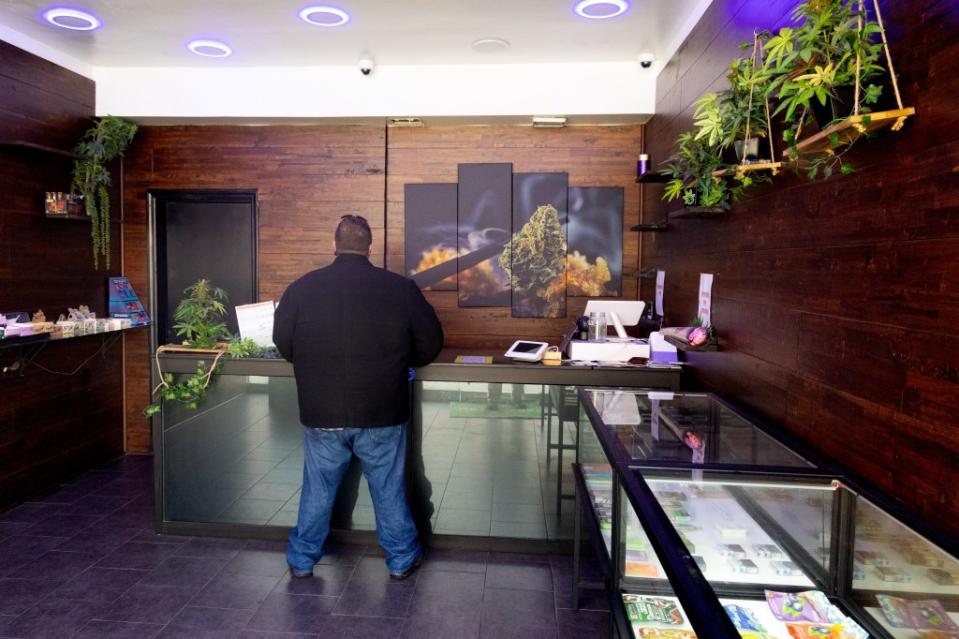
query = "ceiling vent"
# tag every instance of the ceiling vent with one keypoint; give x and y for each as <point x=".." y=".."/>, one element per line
<point x="405" y="122"/>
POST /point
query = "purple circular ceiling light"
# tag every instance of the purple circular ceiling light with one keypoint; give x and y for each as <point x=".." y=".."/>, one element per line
<point x="210" y="48"/>
<point x="324" y="16"/>
<point x="71" y="19"/>
<point x="601" y="9"/>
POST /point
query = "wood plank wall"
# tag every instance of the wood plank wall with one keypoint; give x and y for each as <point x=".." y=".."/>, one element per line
<point x="309" y="176"/>
<point x="593" y="156"/>
<point x="51" y="426"/>
<point x="837" y="302"/>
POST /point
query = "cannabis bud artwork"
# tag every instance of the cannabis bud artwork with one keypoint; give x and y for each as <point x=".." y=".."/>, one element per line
<point x="535" y="260"/>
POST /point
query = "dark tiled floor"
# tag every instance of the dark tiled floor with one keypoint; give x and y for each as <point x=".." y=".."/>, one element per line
<point x="83" y="562"/>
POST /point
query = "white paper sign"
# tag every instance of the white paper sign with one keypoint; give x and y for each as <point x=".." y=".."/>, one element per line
<point x="660" y="288"/>
<point x="256" y="322"/>
<point x="706" y="298"/>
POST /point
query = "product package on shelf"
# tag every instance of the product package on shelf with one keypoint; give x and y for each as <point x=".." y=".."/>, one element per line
<point x="124" y="303"/>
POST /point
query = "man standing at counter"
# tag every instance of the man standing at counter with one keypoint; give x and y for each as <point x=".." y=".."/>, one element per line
<point x="352" y="331"/>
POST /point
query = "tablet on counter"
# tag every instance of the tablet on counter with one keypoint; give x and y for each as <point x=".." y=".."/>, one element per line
<point x="527" y="351"/>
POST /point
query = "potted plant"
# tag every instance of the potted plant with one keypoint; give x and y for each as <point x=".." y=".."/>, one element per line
<point x="199" y="318"/>
<point x="815" y="67"/>
<point x="106" y="140"/>
<point x="691" y="175"/>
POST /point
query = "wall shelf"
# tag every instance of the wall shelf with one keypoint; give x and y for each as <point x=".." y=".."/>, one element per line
<point x="652" y="177"/>
<point x="710" y="345"/>
<point x="697" y="212"/>
<point x="20" y="144"/>
<point x="658" y="226"/>
<point x="848" y="130"/>
<point x="77" y="218"/>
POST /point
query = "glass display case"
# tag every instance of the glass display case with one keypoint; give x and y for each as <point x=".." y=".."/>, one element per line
<point x="708" y="526"/>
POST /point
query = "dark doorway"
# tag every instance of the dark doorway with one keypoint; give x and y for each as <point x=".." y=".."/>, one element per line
<point x="203" y="234"/>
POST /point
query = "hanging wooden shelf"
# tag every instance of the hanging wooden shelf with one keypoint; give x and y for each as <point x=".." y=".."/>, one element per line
<point x="848" y="130"/>
<point x="77" y="218"/>
<point x="658" y="226"/>
<point x="697" y="212"/>
<point x="653" y="177"/>
<point x="773" y="167"/>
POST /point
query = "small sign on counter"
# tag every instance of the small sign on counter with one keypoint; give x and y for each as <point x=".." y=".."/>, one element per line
<point x="256" y="322"/>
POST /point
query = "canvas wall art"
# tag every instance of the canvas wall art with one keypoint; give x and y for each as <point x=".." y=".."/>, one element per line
<point x="535" y="258"/>
<point x="595" y="242"/>
<point x="430" y="235"/>
<point x="483" y="228"/>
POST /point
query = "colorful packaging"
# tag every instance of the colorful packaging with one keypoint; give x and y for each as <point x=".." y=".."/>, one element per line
<point x="653" y="609"/>
<point x="665" y="633"/>
<point x="794" y="606"/>
<point x="743" y="619"/>
<point x="929" y="614"/>
<point x="814" y="631"/>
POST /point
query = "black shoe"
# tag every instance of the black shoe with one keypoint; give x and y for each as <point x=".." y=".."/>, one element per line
<point x="400" y="576"/>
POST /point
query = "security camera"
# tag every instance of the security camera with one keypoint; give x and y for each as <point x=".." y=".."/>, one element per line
<point x="646" y="60"/>
<point x="366" y="65"/>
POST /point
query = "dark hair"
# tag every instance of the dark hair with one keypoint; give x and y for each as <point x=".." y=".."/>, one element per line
<point x="353" y="235"/>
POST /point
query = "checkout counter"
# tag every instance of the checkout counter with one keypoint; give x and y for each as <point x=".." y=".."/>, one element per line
<point x="486" y="465"/>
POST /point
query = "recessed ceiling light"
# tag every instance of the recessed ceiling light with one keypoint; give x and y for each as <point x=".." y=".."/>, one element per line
<point x="71" y="19"/>
<point x="490" y="45"/>
<point x="210" y="48"/>
<point x="324" y="16"/>
<point x="601" y="9"/>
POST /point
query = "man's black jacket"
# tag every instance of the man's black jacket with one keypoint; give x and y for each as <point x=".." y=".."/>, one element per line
<point x="352" y="331"/>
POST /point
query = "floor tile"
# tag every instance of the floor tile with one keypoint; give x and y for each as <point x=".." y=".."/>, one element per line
<point x="514" y="630"/>
<point x="97" y="538"/>
<point x="535" y="607"/>
<point x="326" y="581"/>
<point x="210" y="547"/>
<point x="519" y="576"/>
<point x="97" y="505"/>
<point x="101" y="629"/>
<point x="417" y="628"/>
<point x="148" y="604"/>
<point x="30" y="512"/>
<point x="292" y="613"/>
<point x="62" y="525"/>
<point x="336" y="627"/>
<point x="186" y="573"/>
<point x="135" y="555"/>
<point x="439" y="595"/>
<point x="455" y="560"/>
<point x="17" y="595"/>
<point x="98" y="584"/>
<point x="371" y="599"/>
<point x="212" y="618"/>
<point x="56" y="564"/>
<point x="235" y="591"/>
<point x="342" y="554"/>
<point x="517" y="558"/>
<point x="52" y="618"/>
<point x="258" y="563"/>
<point x="583" y="623"/>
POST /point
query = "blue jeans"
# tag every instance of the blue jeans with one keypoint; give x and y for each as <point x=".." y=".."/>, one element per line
<point x="326" y="456"/>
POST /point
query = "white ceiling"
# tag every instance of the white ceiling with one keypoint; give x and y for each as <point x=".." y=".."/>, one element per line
<point x="139" y="33"/>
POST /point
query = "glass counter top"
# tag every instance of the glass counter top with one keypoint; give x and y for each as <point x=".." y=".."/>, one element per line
<point x="683" y="429"/>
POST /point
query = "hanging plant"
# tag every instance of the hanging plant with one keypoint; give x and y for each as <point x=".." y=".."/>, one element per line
<point x="106" y="140"/>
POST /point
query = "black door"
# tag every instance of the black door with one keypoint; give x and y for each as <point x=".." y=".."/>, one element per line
<point x="201" y="234"/>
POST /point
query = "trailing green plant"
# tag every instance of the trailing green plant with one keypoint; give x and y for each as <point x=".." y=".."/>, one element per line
<point x="106" y="140"/>
<point x="199" y="315"/>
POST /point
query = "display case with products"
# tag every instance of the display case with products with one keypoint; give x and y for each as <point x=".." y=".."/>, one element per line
<point x="751" y="538"/>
